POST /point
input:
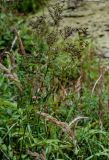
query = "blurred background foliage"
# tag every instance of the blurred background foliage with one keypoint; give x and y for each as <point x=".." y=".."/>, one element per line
<point x="24" y="5"/>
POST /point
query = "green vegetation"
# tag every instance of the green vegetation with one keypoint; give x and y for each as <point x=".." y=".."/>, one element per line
<point x="24" y="6"/>
<point x="31" y="5"/>
<point x="53" y="92"/>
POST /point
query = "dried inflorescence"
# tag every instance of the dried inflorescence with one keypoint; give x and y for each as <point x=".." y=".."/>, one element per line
<point x="55" y="12"/>
<point x="71" y="48"/>
<point x="66" y="32"/>
<point x="83" y="32"/>
<point x="51" y="38"/>
<point x="40" y="25"/>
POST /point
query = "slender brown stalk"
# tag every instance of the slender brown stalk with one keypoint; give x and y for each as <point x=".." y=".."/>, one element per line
<point x="20" y="42"/>
<point x="100" y="91"/>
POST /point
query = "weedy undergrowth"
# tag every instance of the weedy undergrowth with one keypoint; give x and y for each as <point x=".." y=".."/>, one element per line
<point x="53" y="93"/>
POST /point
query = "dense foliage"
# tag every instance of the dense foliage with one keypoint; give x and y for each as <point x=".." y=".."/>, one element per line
<point x="31" y="5"/>
<point x="24" y="6"/>
<point x="53" y="92"/>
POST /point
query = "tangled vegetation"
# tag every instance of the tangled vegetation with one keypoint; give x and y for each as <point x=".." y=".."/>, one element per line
<point x="54" y="102"/>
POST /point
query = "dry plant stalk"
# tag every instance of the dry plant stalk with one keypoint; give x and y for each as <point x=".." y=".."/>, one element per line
<point x="36" y="155"/>
<point x="98" y="80"/>
<point x="11" y="76"/>
<point x="107" y="109"/>
<point x="100" y="88"/>
<point x="76" y="120"/>
<point x="63" y="93"/>
<point x="100" y="83"/>
<point x="78" y="87"/>
<point x="108" y="105"/>
<point x="13" y="43"/>
<point x="66" y="128"/>
<point x="20" y="42"/>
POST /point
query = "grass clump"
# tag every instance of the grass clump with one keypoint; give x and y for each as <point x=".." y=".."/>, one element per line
<point x="53" y="96"/>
